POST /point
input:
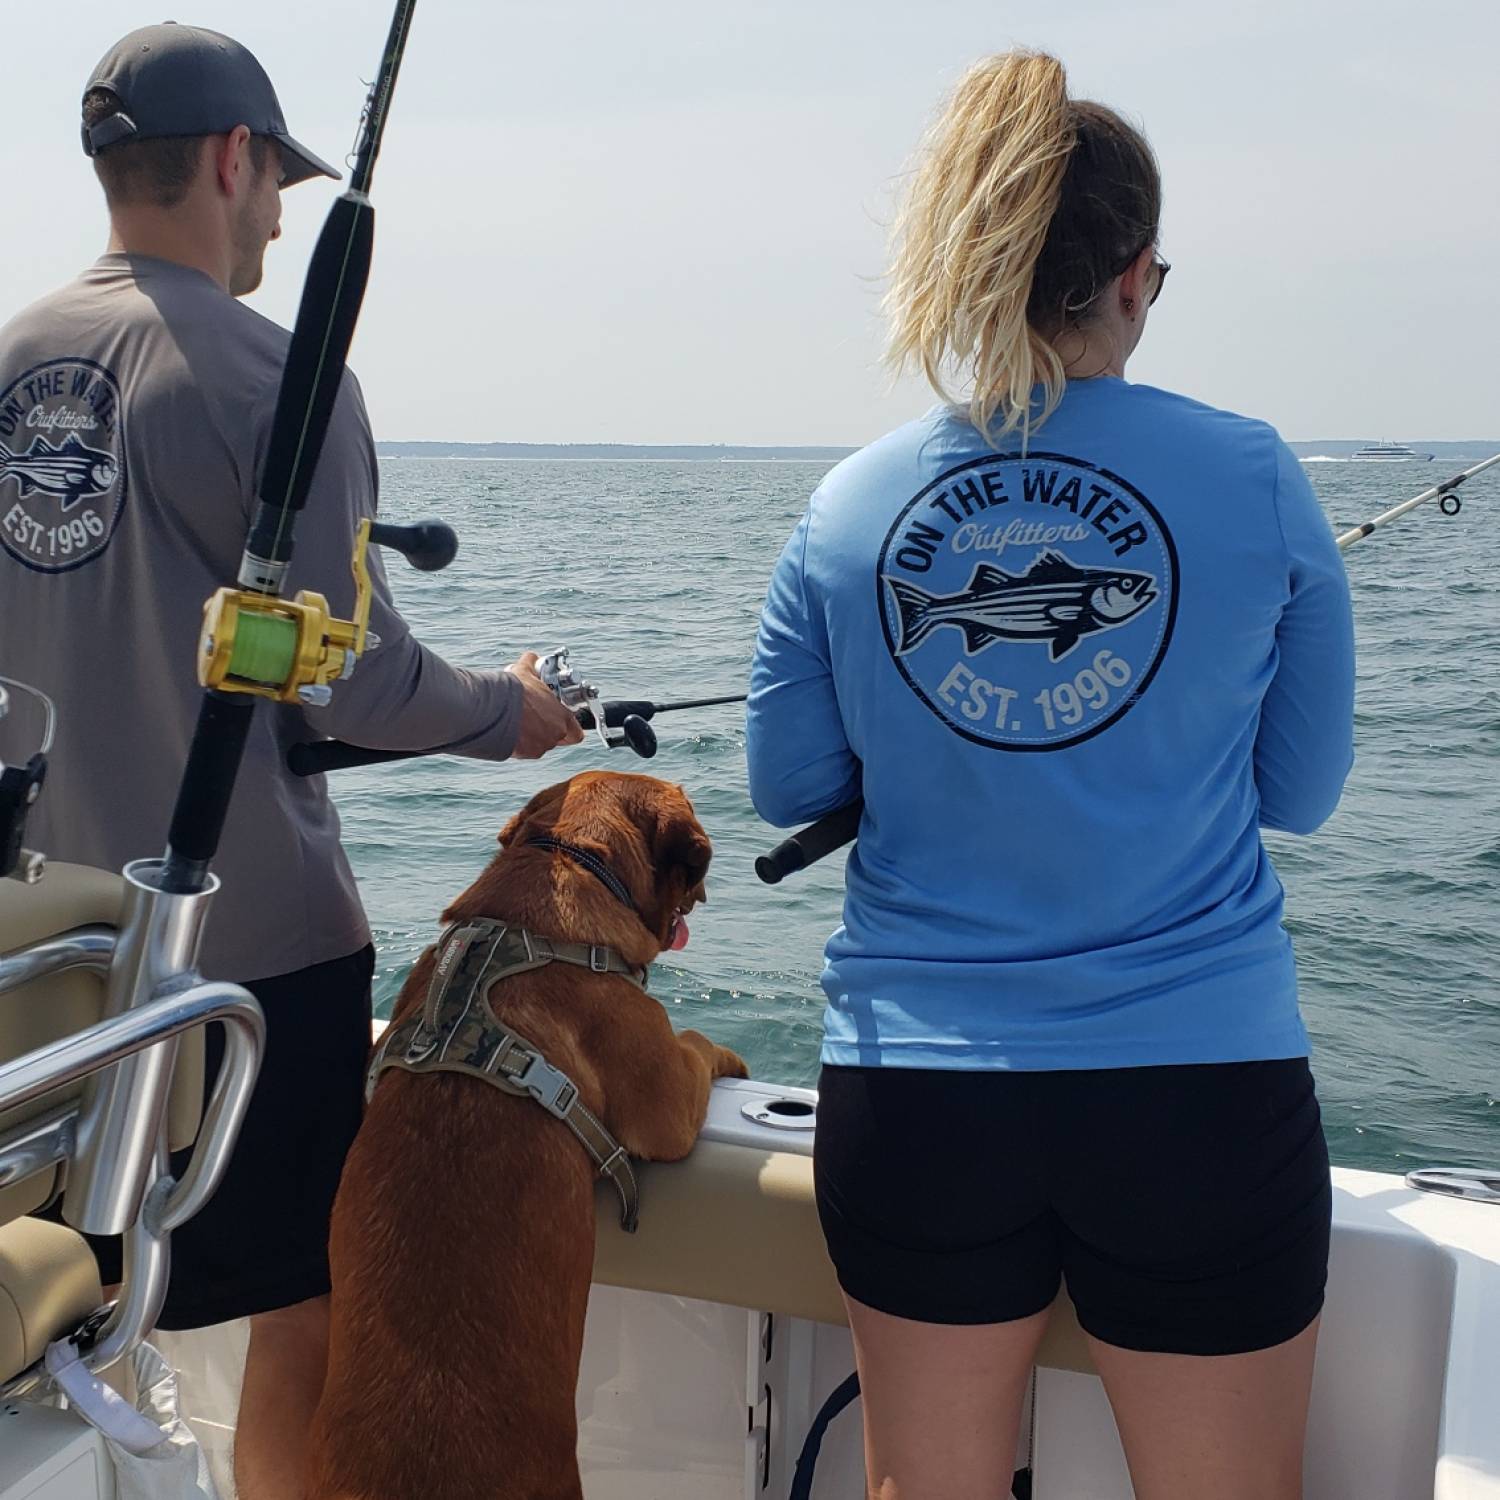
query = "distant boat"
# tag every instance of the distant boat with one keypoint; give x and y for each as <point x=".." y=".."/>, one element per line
<point x="1388" y="453"/>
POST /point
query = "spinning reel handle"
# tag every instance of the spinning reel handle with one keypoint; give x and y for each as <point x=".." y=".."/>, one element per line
<point x="428" y="546"/>
<point x="638" y="734"/>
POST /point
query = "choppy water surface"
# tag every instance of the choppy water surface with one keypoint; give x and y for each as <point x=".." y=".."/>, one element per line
<point x="654" y="573"/>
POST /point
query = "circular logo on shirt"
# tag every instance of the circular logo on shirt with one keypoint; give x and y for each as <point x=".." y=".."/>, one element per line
<point x="62" y="464"/>
<point x="1028" y="601"/>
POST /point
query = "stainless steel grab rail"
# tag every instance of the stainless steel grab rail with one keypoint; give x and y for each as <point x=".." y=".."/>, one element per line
<point x="83" y="948"/>
<point x="1477" y="1184"/>
<point x="108" y="1043"/>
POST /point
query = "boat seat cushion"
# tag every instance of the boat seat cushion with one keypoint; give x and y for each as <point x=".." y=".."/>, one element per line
<point x="738" y="1225"/>
<point x="49" y="1283"/>
<point x="70" y="896"/>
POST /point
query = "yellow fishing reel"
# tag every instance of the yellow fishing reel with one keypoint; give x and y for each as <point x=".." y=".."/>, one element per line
<point x="291" y="650"/>
<point x="286" y="649"/>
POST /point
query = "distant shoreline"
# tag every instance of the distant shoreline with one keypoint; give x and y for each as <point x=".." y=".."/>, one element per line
<point x="616" y="452"/>
<point x="748" y="453"/>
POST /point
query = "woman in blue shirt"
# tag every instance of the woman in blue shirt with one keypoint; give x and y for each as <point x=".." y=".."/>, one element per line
<point x="1075" y="642"/>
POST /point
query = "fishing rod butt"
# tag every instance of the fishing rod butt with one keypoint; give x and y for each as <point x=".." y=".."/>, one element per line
<point x="318" y="757"/>
<point x="810" y="844"/>
<point x="203" y="799"/>
<point x="785" y="859"/>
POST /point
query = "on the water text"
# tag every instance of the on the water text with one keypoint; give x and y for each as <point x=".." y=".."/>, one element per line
<point x="1102" y="508"/>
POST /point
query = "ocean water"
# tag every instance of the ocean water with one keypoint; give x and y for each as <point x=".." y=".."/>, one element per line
<point x="653" y="574"/>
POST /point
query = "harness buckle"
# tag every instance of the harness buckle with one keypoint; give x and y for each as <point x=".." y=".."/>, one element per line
<point x="421" y="1045"/>
<point x="553" y="1090"/>
<point x="598" y="959"/>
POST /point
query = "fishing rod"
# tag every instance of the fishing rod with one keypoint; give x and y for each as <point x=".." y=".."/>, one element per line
<point x="617" y="721"/>
<point x="841" y="826"/>
<point x="1448" y="502"/>
<point x="254" y="643"/>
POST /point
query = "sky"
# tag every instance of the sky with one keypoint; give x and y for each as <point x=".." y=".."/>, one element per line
<point x="665" y="222"/>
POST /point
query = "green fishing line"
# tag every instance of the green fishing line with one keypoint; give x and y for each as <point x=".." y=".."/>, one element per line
<point x="265" y="649"/>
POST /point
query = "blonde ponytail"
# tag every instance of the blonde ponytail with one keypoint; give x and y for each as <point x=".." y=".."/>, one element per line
<point x="968" y="236"/>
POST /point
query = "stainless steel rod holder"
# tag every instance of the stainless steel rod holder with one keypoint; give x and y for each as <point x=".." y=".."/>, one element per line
<point x="124" y="1110"/>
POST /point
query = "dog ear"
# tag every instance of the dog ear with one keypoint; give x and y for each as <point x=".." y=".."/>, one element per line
<point x="547" y="797"/>
<point x="681" y="850"/>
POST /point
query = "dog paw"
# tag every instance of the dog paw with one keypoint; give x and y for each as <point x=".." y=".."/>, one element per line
<point x="730" y="1065"/>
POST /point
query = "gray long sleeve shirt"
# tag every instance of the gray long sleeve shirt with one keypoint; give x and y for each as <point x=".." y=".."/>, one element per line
<point x="135" y="411"/>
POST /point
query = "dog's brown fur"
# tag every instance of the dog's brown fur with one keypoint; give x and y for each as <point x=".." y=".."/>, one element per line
<point x="463" y="1234"/>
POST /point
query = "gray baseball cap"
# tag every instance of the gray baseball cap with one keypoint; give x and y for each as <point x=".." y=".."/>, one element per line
<point x="176" y="80"/>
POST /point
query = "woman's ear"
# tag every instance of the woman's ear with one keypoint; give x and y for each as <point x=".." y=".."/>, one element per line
<point x="1134" y="280"/>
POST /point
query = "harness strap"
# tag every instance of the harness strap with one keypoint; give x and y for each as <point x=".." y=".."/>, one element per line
<point x="454" y="1034"/>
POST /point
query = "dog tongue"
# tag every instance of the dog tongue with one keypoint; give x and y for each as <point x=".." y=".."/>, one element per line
<point x="677" y="939"/>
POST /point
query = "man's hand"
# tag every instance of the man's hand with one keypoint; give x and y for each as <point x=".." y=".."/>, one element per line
<point x="545" y="723"/>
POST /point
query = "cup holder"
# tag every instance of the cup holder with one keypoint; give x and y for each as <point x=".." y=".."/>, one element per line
<point x="780" y="1113"/>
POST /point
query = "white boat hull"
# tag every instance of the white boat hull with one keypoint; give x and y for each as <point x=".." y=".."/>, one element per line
<point x="679" y="1397"/>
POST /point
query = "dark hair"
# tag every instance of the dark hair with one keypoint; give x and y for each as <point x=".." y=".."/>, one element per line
<point x="1108" y="211"/>
<point x="156" y="172"/>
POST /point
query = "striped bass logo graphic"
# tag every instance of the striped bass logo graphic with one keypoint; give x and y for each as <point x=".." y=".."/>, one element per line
<point x="1054" y="603"/>
<point x="70" y="472"/>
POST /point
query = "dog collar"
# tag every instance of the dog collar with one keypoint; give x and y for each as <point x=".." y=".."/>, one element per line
<point x="590" y="862"/>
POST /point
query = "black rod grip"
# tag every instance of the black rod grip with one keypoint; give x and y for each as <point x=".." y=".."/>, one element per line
<point x="207" y="786"/>
<point x="315" y="757"/>
<point x="616" y="711"/>
<point x="331" y="299"/>
<point x="812" y="843"/>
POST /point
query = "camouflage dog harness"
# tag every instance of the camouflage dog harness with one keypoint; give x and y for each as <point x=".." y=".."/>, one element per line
<point x="455" y="1031"/>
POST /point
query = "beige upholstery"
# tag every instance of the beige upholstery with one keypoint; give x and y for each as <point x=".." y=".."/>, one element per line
<point x="70" y="896"/>
<point x="738" y="1225"/>
<point x="49" y="1283"/>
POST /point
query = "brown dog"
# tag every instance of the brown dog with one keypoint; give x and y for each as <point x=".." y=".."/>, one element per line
<point x="463" y="1235"/>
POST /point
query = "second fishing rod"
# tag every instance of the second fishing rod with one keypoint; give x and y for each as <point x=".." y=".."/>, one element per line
<point x="836" y="829"/>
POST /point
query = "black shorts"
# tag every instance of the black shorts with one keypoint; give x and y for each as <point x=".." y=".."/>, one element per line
<point x="261" y="1241"/>
<point x="1187" y="1208"/>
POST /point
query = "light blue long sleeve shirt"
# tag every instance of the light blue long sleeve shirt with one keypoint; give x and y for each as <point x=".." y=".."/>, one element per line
<point x="1071" y="687"/>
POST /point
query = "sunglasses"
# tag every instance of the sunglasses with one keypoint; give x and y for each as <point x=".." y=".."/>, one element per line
<point x="1162" y="267"/>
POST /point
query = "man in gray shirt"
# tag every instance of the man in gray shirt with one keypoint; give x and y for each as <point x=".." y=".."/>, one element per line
<point x="135" y="408"/>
